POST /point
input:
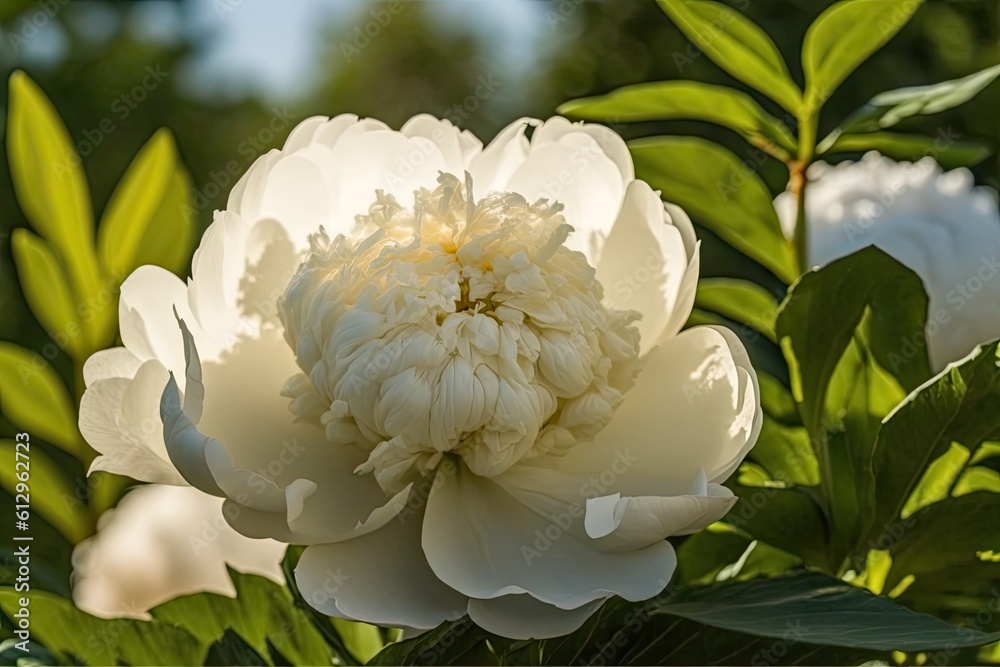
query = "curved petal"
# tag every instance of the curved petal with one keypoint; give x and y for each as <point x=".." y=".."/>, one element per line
<point x="456" y="146"/>
<point x="524" y="617"/>
<point x="381" y="577"/>
<point x="146" y="318"/>
<point x="116" y="362"/>
<point x="556" y="129"/>
<point x="659" y="280"/>
<point x="481" y="541"/>
<point x="493" y="167"/>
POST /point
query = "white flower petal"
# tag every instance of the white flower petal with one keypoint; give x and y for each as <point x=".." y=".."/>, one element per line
<point x="117" y="362"/>
<point x="481" y="541"/>
<point x="644" y="265"/>
<point x="381" y="577"/>
<point x="146" y="317"/>
<point x="524" y="617"/>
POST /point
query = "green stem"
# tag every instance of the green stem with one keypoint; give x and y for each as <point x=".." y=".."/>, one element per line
<point x="808" y="121"/>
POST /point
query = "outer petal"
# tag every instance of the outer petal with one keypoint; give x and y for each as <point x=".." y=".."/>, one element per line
<point x="524" y="617"/>
<point x="646" y="264"/>
<point x="116" y="362"/>
<point x="146" y="315"/>
<point x="483" y="542"/>
<point x="381" y="577"/>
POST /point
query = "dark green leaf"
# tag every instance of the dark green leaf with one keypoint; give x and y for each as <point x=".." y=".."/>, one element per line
<point x="788" y="519"/>
<point x="720" y="192"/>
<point x="737" y="46"/>
<point x="685" y="100"/>
<point x="950" y="153"/>
<point x="787" y="454"/>
<point x="959" y="405"/>
<point x="818" y="610"/>
<point x="436" y="647"/>
<point x="814" y="339"/>
<point x="843" y="37"/>
<point x="274" y="619"/>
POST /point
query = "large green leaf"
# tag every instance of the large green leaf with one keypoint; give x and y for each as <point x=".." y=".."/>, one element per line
<point x="145" y="221"/>
<point x="788" y="519"/>
<point x="35" y="400"/>
<point x="741" y="301"/>
<point x="959" y="405"/>
<point x="786" y="453"/>
<point x="262" y="612"/>
<point x="949" y="152"/>
<point x="822" y="610"/>
<point x="888" y="108"/>
<point x="721" y="192"/>
<point x="47" y="291"/>
<point x="946" y="534"/>
<point x="54" y="497"/>
<point x="685" y="100"/>
<point x="737" y="46"/>
<point x="74" y="635"/>
<point x="52" y="191"/>
<point x="815" y="340"/>
<point x="843" y="37"/>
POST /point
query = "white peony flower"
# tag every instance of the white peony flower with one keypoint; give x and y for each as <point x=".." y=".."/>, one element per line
<point x="455" y="372"/>
<point x="162" y="542"/>
<point x="937" y="224"/>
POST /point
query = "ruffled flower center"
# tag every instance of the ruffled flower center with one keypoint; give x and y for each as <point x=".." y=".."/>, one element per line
<point x="457" y="326"/>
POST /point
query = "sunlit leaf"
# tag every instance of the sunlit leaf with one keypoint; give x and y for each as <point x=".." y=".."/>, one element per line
<point x="947" y="151"/>
<point x="685" y="100"/>
<point x="720" y="192"/>
<point x="737" y="46"/>
<point x="843" y="37"/>
<point x="35" y="400"/>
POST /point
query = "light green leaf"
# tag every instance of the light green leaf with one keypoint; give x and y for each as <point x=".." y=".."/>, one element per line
<point x="957" y="406"/>
<point x="49" y="182"/>
<point x="843" y="37"/>
<point x="737" y="46"/>
<point x="821" y="610"/>
<point x="273" y="618"/>
<point x="74" y="635"/>
<point x="741" y="301"/>
<point x="47" y="291"/>
<point x="950" y="153"/>
<point x="786" y="452"/>
<point x="776" y="400"/>
<point x="35" y="400"/>
<point x="891" y="107"/>
<point x="936" y="483"/>
<point x="145" y="222"/>
<point x="53" y="497"/>
<point x="977" y="478"/>
<point x="721" y="192"/>
<point x="814" y="342"/>
<point x="685" y="100"/>
<point x="362" y="639"/>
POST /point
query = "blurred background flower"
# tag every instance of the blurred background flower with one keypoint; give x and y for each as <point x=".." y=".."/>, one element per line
<point x="162" y="542"/>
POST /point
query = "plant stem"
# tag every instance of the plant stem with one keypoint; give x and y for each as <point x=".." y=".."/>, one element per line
<point x="798" y="182"/>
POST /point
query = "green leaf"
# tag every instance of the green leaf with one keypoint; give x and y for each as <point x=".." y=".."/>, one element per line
<point x="938" y="479"/>
<point x="776" y="400"/>
<point x="362" y="639"/>
<point x="787" y="519"/>
<point x="737" y="46"/>
<point x="741" y="301"/>
<point x="721" y="192"/>
<point x="950" y="153"/>
<point x="819" y="610"/>
<point x="74" y="635"/>
<point x="53" y="497"/>
<point x="977" y="478"/>
<point x="814" y="342"/>
<point x="35" y="400"/>
<point x="957" y="406"/>
<point x="52" y="189"/>
<point x="685" y="100"/>
<point x="891" y="107"/>
<point x="47" y="291"/>
<point x="843" y="37"/>
<point x="145" y="222"/>
<point x="440" y="646"/>
<point x="787" y="454"/>
<point x="943" y="535"/>
<point x="274" y="618"/>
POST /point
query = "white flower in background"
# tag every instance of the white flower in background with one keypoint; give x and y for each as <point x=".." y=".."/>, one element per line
<point x="937" y="224"/>
<point x="398" y="348"/>
<point x="162" y="542"/>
